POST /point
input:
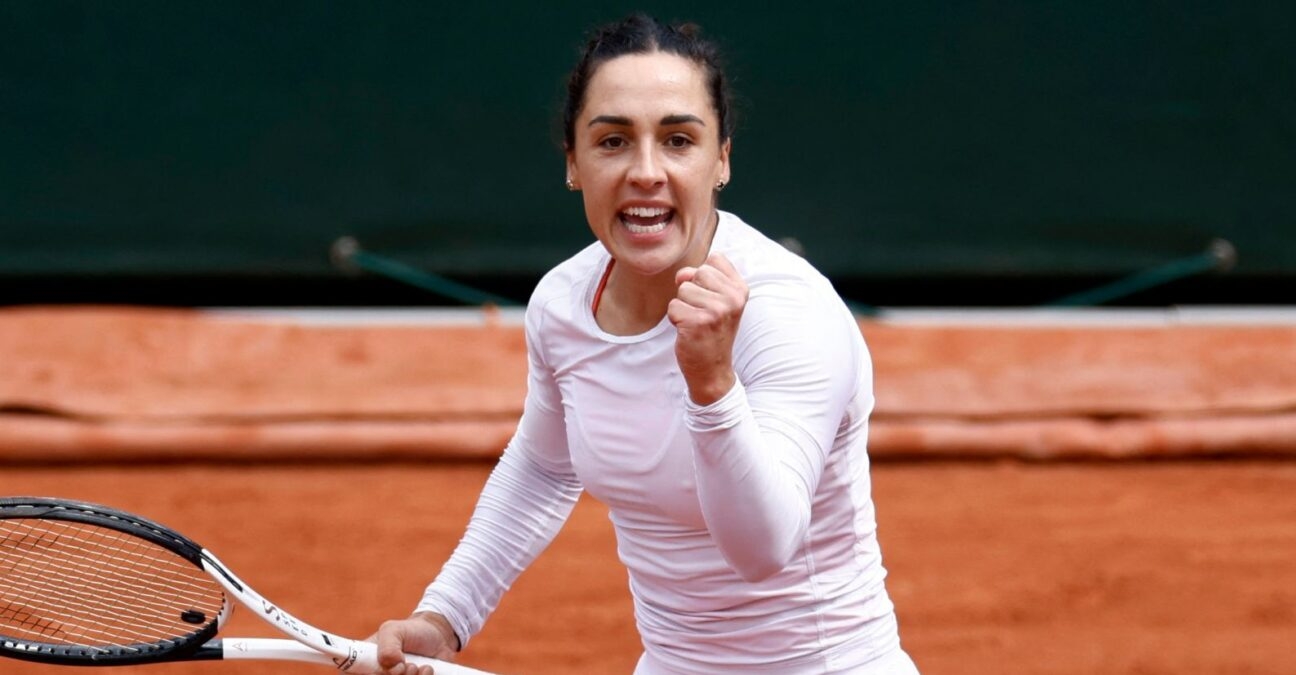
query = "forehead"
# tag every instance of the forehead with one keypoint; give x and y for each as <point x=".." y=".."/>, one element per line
<point x="650" y="82"/>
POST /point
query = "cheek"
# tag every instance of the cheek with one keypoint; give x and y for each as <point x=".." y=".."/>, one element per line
<point x="597" y="211"/>
<point x="700" y="191"/>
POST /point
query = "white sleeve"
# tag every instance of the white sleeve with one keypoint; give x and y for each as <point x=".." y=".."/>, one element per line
<point x="760" y="451"/>
<point x="526" y="500"/>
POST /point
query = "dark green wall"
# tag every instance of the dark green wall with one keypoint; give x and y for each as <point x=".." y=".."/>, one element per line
<point x="959" y="140"/>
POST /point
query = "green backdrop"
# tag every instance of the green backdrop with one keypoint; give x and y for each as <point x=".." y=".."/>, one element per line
<point x="955" y="141"/>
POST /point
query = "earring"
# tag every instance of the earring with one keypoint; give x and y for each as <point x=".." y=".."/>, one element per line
<point x="570" y="185"/>
<point x="720" y="186"/>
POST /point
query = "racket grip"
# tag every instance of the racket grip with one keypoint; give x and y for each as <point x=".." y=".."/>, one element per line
<point x="443" y="667"/>
<point x="366" y="662"/>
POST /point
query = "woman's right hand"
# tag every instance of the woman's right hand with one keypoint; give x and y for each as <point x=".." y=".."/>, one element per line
<point x="424" y="633"/>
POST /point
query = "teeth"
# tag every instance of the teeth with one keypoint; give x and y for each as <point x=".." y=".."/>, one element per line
<point x="645" y="229"/>
<point x="649" y="213"/>
<point x="645" y="212"/>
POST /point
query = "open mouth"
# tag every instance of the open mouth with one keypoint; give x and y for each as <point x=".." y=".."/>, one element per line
<point x="646" y="219"/>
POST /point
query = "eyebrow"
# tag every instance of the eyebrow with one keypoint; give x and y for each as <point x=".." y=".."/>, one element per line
<point x="669" y="120"/>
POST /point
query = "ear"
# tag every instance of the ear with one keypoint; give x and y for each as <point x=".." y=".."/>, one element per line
<point x="722" y="164"/>
<point x="573" y="174"/>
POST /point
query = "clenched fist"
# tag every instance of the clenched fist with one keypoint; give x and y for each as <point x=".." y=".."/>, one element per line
<point x="706" y="310"/>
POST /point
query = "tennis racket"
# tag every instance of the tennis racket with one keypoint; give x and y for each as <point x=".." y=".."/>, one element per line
<point x="86" y="585"/>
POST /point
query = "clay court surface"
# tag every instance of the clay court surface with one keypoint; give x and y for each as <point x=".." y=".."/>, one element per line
<point x="996" y="567"/>
<point x="1097" y="501"/>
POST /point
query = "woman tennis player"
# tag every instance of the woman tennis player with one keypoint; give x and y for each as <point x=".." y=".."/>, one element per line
<point x="704" y="383"/>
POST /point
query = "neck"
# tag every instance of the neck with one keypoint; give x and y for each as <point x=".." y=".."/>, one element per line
<point x="632" y="304"/>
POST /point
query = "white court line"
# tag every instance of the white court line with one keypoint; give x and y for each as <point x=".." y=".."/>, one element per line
<point x="376" y="316"/>
<point x="1098" y="317"/>
<point x="951" y="316"/>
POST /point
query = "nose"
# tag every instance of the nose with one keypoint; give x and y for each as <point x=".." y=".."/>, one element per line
<point x="646" y="170"/>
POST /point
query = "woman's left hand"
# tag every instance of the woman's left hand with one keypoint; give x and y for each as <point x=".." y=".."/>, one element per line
<point x="706" y="310"/>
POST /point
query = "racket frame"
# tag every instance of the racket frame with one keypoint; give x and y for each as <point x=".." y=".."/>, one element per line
<point x="308" y="644"/>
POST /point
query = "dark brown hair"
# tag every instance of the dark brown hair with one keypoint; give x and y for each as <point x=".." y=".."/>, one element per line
<point x="642" y="34"/>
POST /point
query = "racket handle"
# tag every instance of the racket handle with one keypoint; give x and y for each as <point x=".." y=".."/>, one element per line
<point x="367" y="662"/>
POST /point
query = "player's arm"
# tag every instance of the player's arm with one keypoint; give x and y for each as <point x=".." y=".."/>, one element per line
<point x="762" y="442"/>
<point x="524" y="503"/>
<point x="519" y="512"/>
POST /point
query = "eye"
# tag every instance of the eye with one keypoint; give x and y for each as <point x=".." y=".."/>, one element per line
<point x="612" y="143"/>
<point x="678" y="142"/>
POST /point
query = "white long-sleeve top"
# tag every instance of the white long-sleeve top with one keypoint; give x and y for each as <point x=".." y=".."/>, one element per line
<point x="747" y="525"/>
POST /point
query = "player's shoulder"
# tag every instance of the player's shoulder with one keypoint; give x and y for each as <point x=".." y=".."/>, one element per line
<point x="765" y="264"/>
<point x="562" y="286"/>
<point x="788" y="297"/>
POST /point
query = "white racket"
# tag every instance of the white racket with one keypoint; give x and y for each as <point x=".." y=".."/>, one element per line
<point x="86" y="585"/>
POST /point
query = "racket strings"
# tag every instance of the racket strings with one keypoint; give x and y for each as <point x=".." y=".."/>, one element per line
<point x="78" y="584"/>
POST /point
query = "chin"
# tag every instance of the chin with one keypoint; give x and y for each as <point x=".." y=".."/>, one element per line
<point x="648" y="265"/>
